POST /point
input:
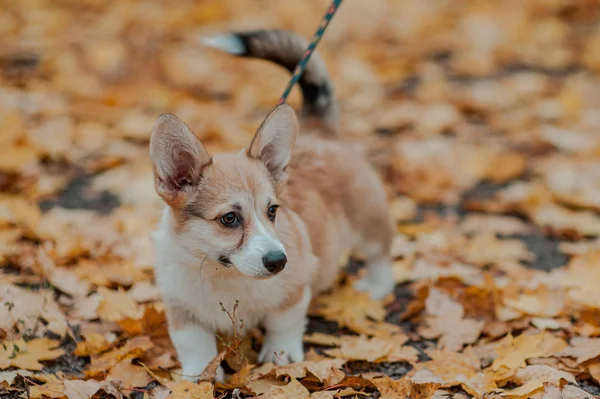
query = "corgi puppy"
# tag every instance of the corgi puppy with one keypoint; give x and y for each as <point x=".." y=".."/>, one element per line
<point x="263" y="228"/>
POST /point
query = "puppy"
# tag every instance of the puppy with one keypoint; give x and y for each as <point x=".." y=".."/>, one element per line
<point x="264" y="227"/>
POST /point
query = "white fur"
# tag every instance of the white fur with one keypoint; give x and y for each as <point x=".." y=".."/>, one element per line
<point x="248" y="260"/>
<point x="285" y="331"/>
<point x="202" y="288"/>
<point x="379" y="281"/>
<point x="228" y="43"/>
<point x="196" y="347"/>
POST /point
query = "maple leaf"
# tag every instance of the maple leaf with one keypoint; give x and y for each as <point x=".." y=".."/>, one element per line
<point x="293" y="390"/>
<point x="321" y="369"/>
<point x="133" y="348"/>
<point x="363" y="310"/>
<point x="129" y="375"/>
<point x="26" y="355"/>
<point x="7" y="377"/>
<point x="94" y="344"/>
<point x="403" y="388"/>
<point x="23" y="309"/>
<point x="452" y="369"/>
<point x="448" y="323"/>
<point x="117" y="305"/>
<point x="188" y="390"/>
<point x="77" y="389"/>
<point x="373" y="349"/>
<point x="513" y="352"/>
<point x="581" y="348"/>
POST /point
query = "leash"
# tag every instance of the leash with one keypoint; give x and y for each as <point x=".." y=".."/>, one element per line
<point x="299" y="70"/>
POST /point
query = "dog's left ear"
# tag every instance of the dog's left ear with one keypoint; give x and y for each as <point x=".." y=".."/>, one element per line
<point x="274" y="141"/>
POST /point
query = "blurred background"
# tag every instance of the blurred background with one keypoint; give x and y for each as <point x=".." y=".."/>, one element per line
<point x="489" y="110"/>
<point x="471" y="93"/>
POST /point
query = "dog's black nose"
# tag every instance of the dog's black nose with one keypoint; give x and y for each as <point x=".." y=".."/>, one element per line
<point x="274" y="261"/>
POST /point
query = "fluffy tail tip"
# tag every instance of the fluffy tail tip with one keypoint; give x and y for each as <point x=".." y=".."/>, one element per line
<point x="229" y="43"/>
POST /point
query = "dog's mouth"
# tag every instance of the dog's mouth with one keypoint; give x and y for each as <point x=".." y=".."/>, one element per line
<point x="225" y="261"/>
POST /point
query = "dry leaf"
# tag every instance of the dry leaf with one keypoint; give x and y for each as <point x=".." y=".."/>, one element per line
<point x="369" y="349"/>
<point x="582" y="349"/>
<point x="293" y="390"/>
<point x="321" y="369"/>
<point x="188" y="390"/>
<point x="26" y="355"/>
<point x="129" y="375"/>
<point x="117" y="305"/>
<point x="133" y="348"/>
<point x="76" y="389"/>
<point x="335" y="307"/>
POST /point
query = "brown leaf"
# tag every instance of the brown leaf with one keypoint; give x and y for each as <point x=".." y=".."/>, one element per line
<point x="582" y="349"/>
<point x="94" y="344"/>
<point x="117" y="305"/>
<point x="23" y="309"/>
<point x="321" y="369"/>
<point x="129" y="374"/>
<point x="369" y="349"/>
<point x="513" y="352"/>
<point x="26" y="355"/>
<point x="188" y="390"/>
<point x="448" y="323"/>
<point x="452" y="369"/>
<point x="133" y="348"/>
<point x="76" y="389"/>
<point x="293" y="390"/>
<point x="335" y="307"/>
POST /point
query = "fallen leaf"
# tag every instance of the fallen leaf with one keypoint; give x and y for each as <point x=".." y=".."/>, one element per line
<point x="293" y="390"/>
<point x="129" y="375"/>
<point x="77" y="389"/>
<point x="513" y="352"/>
<point x="26" y="355"/>
<point x="449" y="369"/>
<point x="369" y="349"/>
<point x="133" y="348"/>
<point x="321" y="369"/>
<point x="335" y="307"/>
<point x="188" y="390"/>
<point x="23" y="309"/>
<point x="117" y="305"/>
<point x="581" y="348"/>
<point x="447" y="323"/>
<point x="7" y="377"/>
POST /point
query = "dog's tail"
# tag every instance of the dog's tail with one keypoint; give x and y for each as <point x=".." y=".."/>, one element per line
<point x="286" y="49"/>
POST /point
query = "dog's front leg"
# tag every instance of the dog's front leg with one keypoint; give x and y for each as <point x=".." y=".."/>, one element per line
<point x="283" y="342"/>
<point x="196" y="345"/>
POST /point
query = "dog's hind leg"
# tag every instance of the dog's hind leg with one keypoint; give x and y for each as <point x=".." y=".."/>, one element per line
<point x="375" y="246"/>
<point x="379" y="280"/>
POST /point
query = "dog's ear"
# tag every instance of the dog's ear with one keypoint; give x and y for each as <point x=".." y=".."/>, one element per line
<point x="177" y="157"/>
<point x="274" y="141"/>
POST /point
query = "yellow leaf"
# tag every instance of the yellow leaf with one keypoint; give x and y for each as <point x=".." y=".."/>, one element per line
<point x="335" y="307"/>
<point x="189" y="390"/>
<point x="117" y="305"/>
<point x="26" y="355"/>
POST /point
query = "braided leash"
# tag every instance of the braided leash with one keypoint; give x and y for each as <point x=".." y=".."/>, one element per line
<point x="299" y="70"/>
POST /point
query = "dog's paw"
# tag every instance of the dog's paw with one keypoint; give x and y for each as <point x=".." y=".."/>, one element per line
<point x="379" y="284"/>
<point x="281" y="351"/>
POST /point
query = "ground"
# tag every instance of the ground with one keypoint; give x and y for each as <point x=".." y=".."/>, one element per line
<point x="485" y="117"/>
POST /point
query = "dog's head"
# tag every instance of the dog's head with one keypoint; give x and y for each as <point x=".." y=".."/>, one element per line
<point x="225" y="205"/>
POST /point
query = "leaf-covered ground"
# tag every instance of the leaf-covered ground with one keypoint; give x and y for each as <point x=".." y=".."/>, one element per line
<point x="488" y="109"/>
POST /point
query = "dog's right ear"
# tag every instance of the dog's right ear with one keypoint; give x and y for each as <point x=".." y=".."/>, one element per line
<point x="177" y="157"/>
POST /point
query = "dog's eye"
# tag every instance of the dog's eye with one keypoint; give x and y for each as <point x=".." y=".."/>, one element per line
<point x="230" y="219"/>
<point x="272" y="212"/>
